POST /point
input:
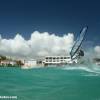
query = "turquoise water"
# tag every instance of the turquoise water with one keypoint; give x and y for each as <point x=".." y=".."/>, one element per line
<point x="65" y="83"/>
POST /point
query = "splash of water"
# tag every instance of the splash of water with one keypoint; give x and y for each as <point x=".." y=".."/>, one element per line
<point x="92" y="69"/>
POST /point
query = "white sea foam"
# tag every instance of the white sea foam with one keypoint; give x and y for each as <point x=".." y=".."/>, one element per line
<point x="91" y="74"/>
<point x="92" y="69"/>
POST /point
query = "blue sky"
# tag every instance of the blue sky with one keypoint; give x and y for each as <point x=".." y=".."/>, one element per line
<point x="53" y="16"/>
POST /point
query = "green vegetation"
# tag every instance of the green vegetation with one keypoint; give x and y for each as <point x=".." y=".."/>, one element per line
<point x="18" y="63"/>
<point x="3" y="57"/>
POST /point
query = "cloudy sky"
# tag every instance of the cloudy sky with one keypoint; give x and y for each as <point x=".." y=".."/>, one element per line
<point x="46" y="26"/>
<point x="39" y="45"/>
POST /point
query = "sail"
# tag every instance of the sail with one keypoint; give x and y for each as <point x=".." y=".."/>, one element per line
<point x="78" y="42"/>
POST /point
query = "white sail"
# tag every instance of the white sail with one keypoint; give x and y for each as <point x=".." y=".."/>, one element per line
<point x="78" y="42"/>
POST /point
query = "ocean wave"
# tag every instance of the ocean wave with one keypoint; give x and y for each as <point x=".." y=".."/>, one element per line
<point x="90" y="69"/>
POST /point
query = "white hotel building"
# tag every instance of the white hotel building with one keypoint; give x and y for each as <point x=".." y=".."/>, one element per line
<point x="58" y="60"/>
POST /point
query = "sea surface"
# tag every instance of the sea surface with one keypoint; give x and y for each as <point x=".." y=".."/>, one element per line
<point x="54" y="83"/>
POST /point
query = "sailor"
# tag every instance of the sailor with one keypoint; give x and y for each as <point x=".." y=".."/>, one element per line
<point x="81" y="53"/>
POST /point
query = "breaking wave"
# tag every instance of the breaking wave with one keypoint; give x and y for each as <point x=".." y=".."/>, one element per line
<point x="91" y="69"/>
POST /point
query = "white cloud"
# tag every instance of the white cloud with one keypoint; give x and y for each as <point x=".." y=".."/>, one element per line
<point x="39" y="44"/>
